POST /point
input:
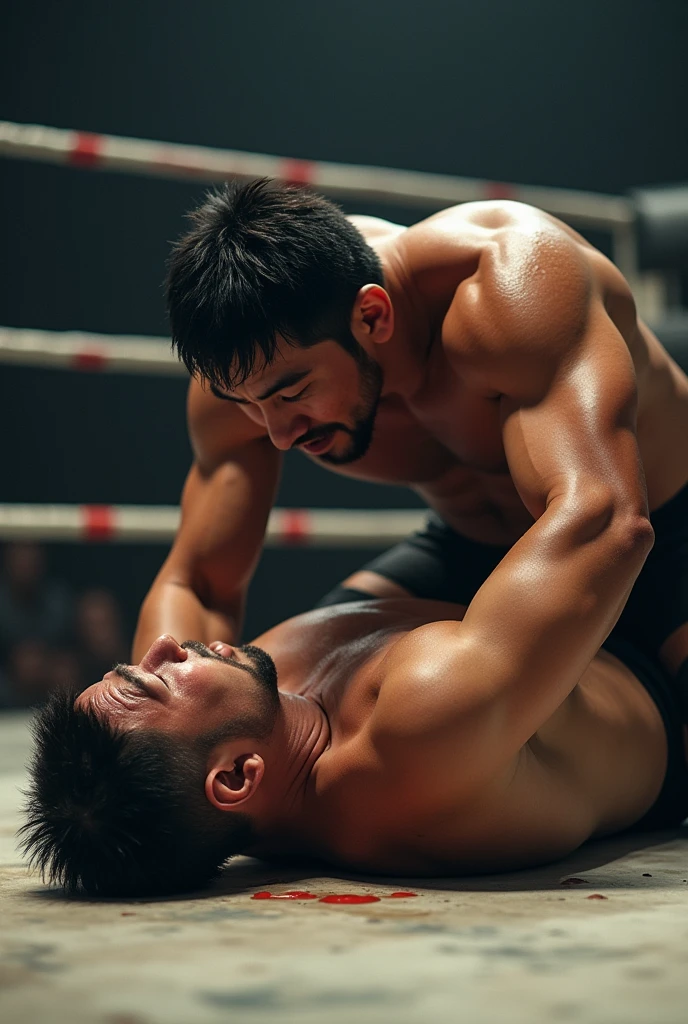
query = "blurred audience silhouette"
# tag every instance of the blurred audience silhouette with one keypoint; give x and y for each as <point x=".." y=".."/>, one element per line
<point x="50" y="637"/>
<point x="100" y="637"/>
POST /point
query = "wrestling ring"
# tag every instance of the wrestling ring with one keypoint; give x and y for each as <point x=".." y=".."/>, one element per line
<point x="649" y="240"/>
<point x="527" y="946"/>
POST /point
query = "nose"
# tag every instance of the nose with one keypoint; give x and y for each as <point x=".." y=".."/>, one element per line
<point x="284" y="430"/>
<point x="164" y="649"/>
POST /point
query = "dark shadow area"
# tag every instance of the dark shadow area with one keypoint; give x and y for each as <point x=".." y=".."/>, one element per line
<point x="243" y="874"/>
<point x="592" y="855"/>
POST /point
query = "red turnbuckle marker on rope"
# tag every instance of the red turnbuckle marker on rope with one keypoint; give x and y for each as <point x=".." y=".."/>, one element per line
<point x="295" y="526"/>
<point x="298" y="172"/>
<point x="90" y="360"/>
<point x="87" y="151"/>
<point x="98" y="522"/>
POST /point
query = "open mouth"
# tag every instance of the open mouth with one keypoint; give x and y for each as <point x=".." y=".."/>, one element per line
<point x="320" y="445"/>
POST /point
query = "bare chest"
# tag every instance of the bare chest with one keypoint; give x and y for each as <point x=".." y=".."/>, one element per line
<point x="448" y="447"/>
<point x="580" y="776"/>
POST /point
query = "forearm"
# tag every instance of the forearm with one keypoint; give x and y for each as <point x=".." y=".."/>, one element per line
<point x="174" y="608"/>
<point x="200" y="590"/>
<point x="561" y="588"/>
<point x="540" y="618"/>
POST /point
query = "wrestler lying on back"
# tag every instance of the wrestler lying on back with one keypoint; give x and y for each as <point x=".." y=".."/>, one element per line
<point x="406" y="736"/>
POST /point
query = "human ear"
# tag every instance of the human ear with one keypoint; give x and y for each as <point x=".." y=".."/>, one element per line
<point x="228" y="786"/>
<point x="373" y="315"/>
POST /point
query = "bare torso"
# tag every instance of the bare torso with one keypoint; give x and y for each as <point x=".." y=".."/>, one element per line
<point x="563" y="746"/>
<point x="594" y="767"/>
<point x="447" y="444"/>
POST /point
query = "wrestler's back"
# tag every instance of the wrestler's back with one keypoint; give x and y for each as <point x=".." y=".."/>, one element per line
<point x="579" y="775"/>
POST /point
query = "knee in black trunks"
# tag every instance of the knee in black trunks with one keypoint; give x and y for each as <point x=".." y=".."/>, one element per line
<point x="435" y="563"/>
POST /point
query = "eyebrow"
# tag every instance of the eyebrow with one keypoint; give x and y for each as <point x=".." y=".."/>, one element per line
<point x="287" y="380"/>
<point x="125" y="673"/>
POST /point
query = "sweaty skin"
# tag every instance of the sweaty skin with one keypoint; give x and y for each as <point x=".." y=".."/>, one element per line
<point x="521" y="396"/>
<point x="393" y="755"/>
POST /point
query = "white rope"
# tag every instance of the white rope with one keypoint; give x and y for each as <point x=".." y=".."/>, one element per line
<point x="142" y="524"/>
<point x="79" y="350"/>
<point x="201" y="163"/>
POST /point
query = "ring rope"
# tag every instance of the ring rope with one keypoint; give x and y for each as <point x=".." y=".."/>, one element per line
<point x="203" y="163"/>
<point x="149" y="524"/>
<point x="79" y="350"/>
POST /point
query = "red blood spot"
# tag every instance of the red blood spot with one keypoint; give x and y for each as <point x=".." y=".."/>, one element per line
<point x="401" y="895"/>
<point x="89" y="360"/>
<point x="499" y="190"/>
<point x="300" y="172"/>
<point x="295" y="525"/>
<point x="294" y="894"/>
<point x="87" y="149"/>
<point x="574" y="881"/>
<point x="291" y="894"/>
<point x="99" y="522"/>
<point x="596" y="896"/>
<point x="128" y="913"/>
<point x="349" y="898"/>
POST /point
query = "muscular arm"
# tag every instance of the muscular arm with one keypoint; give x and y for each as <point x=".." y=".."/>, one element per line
<point x="199" y="592"/>
<point x="566" y="381"/>
<point x="567" y="390"/>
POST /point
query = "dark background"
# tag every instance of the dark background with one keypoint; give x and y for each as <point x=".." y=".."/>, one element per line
<point x="591" y="95"/>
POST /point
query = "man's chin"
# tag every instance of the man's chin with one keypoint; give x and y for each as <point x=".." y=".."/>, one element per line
<point x="348" y="451"/>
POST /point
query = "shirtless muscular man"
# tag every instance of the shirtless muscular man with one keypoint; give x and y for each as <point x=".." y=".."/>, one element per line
<point x="492" y="360"/>
<point x="488" y="357"/>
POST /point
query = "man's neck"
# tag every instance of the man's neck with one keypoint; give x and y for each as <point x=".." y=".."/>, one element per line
<point x="300" y="738"/>
<point x="403" y="358"/>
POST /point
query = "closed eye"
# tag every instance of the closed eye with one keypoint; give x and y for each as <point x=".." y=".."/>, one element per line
<point x="297" y="396"/>
<point x="135" y="681"/>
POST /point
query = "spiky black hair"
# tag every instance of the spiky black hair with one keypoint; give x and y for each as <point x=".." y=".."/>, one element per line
<point x="263" y="259"/>
<point x="114" y="813"/>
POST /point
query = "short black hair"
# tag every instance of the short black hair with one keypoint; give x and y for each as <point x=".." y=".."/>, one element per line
<point x="123" y="814"/>
<point x="263" y="258"/>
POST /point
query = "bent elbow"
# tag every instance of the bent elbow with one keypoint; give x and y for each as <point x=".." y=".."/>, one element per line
<point x="636" y="533"/>
<point x="625" y="539"/>
<point x="598" y="512"/>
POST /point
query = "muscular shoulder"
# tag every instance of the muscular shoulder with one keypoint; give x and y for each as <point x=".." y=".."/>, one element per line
<point x="430" y="706"/>
<point x="529" y="301"/>
<point x="421" y="685"/>
<point x="441" y="791"/>
<point x="532" y="278"/>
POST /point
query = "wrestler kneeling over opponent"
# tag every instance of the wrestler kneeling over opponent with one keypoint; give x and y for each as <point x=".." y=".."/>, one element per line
<point x="492" y="360"/>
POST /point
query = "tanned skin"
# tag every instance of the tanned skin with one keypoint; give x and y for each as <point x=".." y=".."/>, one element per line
<point x="522" y="399"/>
<point x="419" y="737"/>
